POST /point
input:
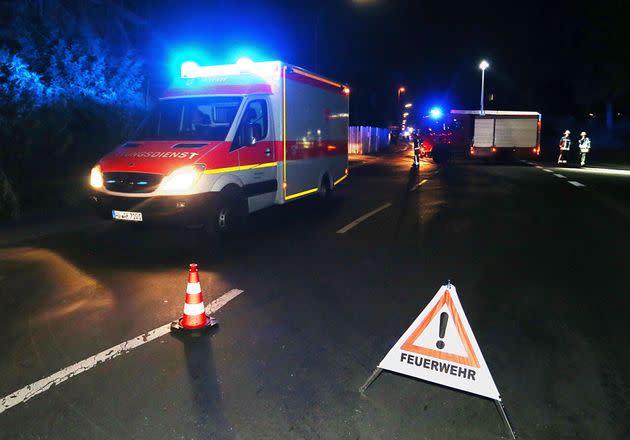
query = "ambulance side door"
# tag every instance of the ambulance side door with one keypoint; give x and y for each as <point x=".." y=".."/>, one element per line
<point x="254" y="142"/>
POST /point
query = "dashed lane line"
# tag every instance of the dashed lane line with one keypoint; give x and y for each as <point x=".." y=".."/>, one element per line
<point x="32" y="390"/>
<point x="547" y="170"/>
<point x="560" y="176"/>
<point x="362" y="218"/>
<point x="576" y="183"/>
<point x="422" y="182"/>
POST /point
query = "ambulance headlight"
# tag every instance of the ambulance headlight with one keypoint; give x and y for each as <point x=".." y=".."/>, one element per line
<point x="96" y="177"/>
<point x="182" y="179"/>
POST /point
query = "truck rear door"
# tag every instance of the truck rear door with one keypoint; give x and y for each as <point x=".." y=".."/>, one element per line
<point x="516" y="132"/>
<point x="484" y="133"/>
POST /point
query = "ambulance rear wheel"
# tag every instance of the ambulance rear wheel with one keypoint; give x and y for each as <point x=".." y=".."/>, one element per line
<point x="440" y="154"/>
<point x="229" y="215"/>
<point x="325" y="191"/>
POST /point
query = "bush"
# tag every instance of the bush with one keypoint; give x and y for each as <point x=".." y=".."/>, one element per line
<point x="63" y="102"/>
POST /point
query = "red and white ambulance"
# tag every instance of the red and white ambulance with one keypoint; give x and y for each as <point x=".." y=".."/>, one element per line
<point x="229" y="140"/>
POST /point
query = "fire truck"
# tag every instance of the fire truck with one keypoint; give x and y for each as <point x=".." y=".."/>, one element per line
<point x="228" y="140"/>
<point x="493" y="134"/>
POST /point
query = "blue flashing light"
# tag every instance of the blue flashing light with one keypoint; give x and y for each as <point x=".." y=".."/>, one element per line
<point x="244" y="63"/>
<point x="182" y="61"/>
<point x="189" y="69"/>
<point x="436" y="113"/>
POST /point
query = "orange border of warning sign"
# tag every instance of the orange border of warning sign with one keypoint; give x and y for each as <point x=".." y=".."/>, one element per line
<point x="470" y="360"/>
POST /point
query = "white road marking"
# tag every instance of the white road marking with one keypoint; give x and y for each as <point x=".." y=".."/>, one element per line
<point x="29" y="391"/>
<point x="547" y="170"/>
<point x="560" y="176"/>
<point x="422" y="182"/>
<point x="222" y="300"/>
<point x="575" y="183"/>
<point x="538" y="166"/>
<point x="602" y="171"/>
<point x="362" y="218"/>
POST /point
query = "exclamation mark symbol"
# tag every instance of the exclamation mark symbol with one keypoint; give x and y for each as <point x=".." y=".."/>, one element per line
<point x="443" y="321"/>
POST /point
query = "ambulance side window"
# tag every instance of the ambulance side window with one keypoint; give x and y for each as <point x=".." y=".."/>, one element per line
<point x="254" y="125"/>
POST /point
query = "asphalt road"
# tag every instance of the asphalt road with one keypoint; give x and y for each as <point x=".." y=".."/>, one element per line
<point x="540" y="265"/>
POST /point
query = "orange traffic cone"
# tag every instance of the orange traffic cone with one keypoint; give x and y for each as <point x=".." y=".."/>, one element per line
<point x="194" y="317"/>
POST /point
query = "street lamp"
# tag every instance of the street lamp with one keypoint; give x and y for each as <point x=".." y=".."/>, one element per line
<point x="405" y="114"/>
<point x="483" y="66"/>
<point x="408" y="105"/>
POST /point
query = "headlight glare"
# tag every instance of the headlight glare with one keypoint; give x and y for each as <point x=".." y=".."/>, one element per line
<point x="182" y="179"/>
<point x="96" y="177"/>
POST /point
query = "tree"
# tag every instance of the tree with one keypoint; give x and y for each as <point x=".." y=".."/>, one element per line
<point x="67" y="93"/>
<point x="602" y="65"/>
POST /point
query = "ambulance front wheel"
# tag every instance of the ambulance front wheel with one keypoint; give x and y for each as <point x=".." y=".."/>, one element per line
<point x="229" y="215"/>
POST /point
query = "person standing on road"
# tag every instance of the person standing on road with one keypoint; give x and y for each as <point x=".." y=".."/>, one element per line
<point x="416" y="149"/>
<point x="585" y="146"/>
<point x="565" y="146"/>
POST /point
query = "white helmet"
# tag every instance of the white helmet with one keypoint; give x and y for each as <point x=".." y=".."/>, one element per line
<point x="567" y="132"/>
<point x="583" y="133"/>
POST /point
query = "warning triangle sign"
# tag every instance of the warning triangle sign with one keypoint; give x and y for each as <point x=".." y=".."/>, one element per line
<point x="440" y="347"/>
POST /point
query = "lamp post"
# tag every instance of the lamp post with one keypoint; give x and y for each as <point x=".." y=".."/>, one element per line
<point x="400" y="90"/>
<point x="483" y="66"/>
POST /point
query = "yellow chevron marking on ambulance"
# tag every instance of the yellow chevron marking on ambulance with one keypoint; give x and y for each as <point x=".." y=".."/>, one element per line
<point x="300" y="194"/>
<point x="240" y="168"/>
<point x="340" y="179"/>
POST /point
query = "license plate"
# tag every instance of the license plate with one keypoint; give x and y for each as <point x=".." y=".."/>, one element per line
<point x="127" y="216"/>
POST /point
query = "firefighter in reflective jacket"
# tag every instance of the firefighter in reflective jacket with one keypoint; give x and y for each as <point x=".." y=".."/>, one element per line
<point x="565" y="146"/>
<point x="416" y="149"/>
<point x="585" y="146"/>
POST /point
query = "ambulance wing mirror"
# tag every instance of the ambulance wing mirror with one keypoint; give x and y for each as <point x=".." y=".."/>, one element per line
<point x="245" y="137"/>
<point x="250" y="134"/>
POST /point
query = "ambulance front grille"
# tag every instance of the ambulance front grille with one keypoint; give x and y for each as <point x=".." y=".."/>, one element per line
<point x="132" y="182"/>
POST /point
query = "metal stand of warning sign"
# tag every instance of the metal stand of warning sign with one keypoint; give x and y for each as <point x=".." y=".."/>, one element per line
<point x="371" y="379"/>
<point x="504" y="416"/>
<point x="500" y="407"/>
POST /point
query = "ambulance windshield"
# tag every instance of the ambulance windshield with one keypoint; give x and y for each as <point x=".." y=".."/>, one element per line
<point x="207" y="119"/>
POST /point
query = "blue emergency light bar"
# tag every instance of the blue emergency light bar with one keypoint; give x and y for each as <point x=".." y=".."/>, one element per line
<point x="190" y="69"/>
<point x="436" y="113"/>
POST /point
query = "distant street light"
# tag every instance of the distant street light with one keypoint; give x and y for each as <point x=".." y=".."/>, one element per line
<point x="405" y="114"/>
<point x="408" y="105"/>
<point x="398" y="93"/>
<point x="483" y="66"/>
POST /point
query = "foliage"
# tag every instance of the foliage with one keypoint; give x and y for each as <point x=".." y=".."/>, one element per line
<point x="64" y="100"/>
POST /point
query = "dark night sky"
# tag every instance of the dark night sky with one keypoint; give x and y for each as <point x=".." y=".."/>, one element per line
<point x="537" y="49"/>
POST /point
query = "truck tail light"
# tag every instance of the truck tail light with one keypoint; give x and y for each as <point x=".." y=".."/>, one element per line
<point x="472" y="151"/>
<point x="493" y="149"/>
